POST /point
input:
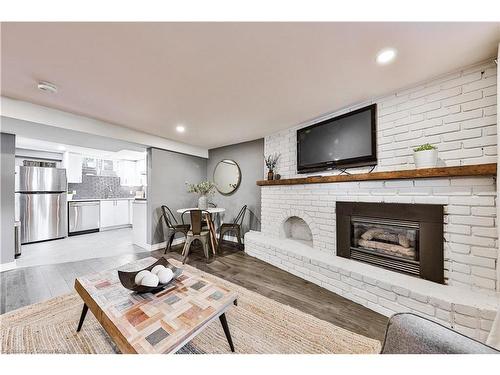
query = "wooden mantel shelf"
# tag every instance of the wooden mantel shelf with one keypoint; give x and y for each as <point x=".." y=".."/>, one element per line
<point x="463" y="171"/>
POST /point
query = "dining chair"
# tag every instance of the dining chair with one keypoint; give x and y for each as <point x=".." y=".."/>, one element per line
<point x="173" y="227"/>
<point x="234" y="227"/>
<point x="204" y="224"/>
<point x="196" y="233"/>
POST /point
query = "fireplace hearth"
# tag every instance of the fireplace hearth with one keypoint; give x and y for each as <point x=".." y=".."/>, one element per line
<point x="406" y="238"/>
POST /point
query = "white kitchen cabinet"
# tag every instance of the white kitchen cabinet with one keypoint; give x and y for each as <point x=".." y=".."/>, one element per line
<point x="115" y="212"/>
<point x="127" y="171"/>
<point x="107" y="214"/>
<point x="131" y="211"/>
<point x="139" y="230"/>
<point x="122" y="215"/>
<point x="74" y="167"/>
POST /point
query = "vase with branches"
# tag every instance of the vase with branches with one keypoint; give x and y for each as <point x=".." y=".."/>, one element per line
<point x="203" y="189"/>
<point x="271" y="161"/>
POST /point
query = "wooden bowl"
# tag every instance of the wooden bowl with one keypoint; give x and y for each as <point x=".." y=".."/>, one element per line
<point x="128" y="278"/>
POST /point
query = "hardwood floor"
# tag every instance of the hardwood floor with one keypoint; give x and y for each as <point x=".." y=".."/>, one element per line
<point x="25" y="286"/>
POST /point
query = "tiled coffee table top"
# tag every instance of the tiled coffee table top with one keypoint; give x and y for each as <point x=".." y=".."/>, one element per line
<point x="159" y="323"/>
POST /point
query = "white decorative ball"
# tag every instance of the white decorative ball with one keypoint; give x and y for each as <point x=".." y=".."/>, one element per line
<point x="157" y="269"/>
<point x="150" y="280"/>
<point x="140" y="276"/>
<point x="165" y="275"/>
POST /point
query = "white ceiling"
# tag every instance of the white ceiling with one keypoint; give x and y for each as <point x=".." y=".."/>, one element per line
<point x="226" y="82"/>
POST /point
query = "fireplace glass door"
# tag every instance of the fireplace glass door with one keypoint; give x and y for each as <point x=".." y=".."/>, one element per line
<point x="388" y="243"/>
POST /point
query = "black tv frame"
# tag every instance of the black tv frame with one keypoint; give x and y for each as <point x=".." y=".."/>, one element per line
<point x="344" y="163"/>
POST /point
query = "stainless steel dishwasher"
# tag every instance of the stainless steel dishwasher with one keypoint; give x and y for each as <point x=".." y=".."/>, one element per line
<point x="83" y="217"/>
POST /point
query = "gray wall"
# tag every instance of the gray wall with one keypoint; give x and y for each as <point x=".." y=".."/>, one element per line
<point x="7" y="169"/>
<point x="250" y="158"/>
<point x="167" y="173"/>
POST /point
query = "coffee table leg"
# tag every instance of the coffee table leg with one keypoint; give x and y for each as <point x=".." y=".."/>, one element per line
<point x="82" y="317"/>
<point x="225" y="327"/>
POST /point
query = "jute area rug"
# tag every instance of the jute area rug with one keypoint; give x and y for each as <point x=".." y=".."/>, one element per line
<point x="258" y="325"/>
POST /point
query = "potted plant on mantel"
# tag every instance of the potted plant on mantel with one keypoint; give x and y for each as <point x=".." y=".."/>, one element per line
<point x="204" y="189"/>
<point x="425" y="156"/>
<point x="271" y="162"/>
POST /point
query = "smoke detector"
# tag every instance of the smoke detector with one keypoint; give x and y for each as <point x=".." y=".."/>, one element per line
<point x="47" y="87"/>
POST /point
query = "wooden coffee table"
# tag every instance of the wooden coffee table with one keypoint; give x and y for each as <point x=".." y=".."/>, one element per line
<point x="154" y="323"/>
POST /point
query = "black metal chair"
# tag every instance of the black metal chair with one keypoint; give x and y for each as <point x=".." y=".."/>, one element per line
<point x="196" y="233"/>
<point x="173" y="226"/>
<point x="234" y="227"/>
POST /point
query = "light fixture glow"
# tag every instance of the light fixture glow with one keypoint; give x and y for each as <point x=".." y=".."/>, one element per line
<point x="180" y="129"/>
<point x="47" y="87"/>
<point x="61" y="148"/>
<point x="386" y="56"/>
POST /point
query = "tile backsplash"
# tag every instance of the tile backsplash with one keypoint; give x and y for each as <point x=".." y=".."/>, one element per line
<point x="101" y="187"/>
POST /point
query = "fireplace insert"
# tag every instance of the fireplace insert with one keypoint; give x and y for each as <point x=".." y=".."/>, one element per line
<point x="406" y="238"/>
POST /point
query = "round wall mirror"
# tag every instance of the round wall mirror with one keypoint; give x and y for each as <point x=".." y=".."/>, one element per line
<point x="227" y="176"/>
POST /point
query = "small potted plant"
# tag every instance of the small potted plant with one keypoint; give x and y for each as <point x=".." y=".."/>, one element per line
<point x="425" y="156"/>
<point x="271" y="162"/>
<point x="203" y="188"/>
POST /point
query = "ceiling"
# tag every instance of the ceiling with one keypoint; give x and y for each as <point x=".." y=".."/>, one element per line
<point x="226" y="82"/>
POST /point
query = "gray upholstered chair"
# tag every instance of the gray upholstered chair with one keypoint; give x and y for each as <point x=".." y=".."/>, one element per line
<point x="408" y="333"/>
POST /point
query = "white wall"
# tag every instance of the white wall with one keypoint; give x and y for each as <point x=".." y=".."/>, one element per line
<point x="458" y="113"/>
<point x="455" y="112"/>
<point x="470" y="248"/>
<point x="498" y="164"/>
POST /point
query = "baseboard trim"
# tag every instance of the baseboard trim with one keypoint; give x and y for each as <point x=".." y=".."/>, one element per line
<point x="177" y="241"/>
<point x="115" y="227"/>
<point x="8" y="266"/>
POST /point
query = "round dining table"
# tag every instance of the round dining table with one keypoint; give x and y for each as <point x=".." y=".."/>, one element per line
<point x="211" y="210"/>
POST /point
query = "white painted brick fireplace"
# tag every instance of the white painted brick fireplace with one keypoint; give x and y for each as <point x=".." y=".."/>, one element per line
<point x="457" y="113"/>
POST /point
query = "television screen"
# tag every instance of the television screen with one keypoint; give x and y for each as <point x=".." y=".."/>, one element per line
<point x="343" y="141"/>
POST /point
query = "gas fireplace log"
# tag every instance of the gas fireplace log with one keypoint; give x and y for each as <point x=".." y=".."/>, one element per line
<point x="380" y="234"/>
<point x="392" y="248"/>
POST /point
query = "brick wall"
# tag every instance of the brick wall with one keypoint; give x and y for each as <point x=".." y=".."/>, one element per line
<point x="456" y="112"/>
<point x="469" y="231"/>
<point x="385" y="292"/>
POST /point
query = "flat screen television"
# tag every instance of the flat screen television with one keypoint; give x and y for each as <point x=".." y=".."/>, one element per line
<point x="345" y="141"/>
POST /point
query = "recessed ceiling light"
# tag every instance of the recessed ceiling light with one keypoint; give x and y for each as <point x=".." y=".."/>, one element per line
<point x="47" y="87"/>
<point x="180" y="129"/>
<point x="386" y="56"/>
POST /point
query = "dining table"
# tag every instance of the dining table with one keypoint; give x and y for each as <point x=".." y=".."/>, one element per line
<point x="210" y="210"/>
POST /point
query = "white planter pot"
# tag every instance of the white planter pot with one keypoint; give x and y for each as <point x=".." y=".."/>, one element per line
<point x="203" y="202"/>
<point x="425" y="159"/>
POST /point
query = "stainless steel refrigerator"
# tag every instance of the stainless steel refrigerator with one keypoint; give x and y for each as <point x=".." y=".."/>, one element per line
<point x="41" y="196"/>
